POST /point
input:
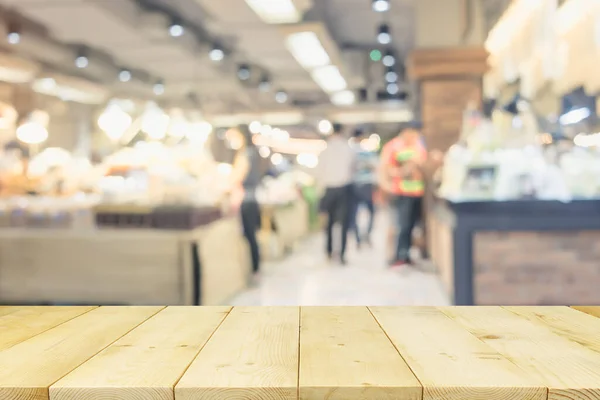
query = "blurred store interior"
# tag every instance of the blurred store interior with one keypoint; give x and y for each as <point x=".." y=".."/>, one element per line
<point x="125" y="125"/>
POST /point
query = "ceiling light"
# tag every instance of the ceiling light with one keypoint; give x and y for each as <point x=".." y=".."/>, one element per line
<point x="381" y="5"/>
<point x="275" y="11"/>
<point x="281" y="97"/>
<point x="125" y="75"/>
<point x="216" y="54"/>
<point x="391" y="76"/>
<point x="344" y="98"/>
<point x="264" y="85"/>
<point x="383" y="34"/>
<point x="325" y="126"/>
<point x="329" y="79"/>
<point x="393" y="88"/>
<point x="14" y="38"/>
<point x="307" y="50"/>
<point x="389" y="60"/>
<point x="159" y="88"/>
<point x="255" y="127"/>
<point x="243" y="72"/>
<point x="276" y="159"/>
<point x="82" y="62"/>
<point x="176" y="30"/>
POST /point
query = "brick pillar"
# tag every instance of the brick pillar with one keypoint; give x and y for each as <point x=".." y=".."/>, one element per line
<point x="449" y="79"/>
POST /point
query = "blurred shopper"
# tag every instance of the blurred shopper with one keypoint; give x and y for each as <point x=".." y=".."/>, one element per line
<point x="401" y="177"/>
<point x="335" y="175"/>
<point x="246" y="173"/>
<point x="365" y="181"/>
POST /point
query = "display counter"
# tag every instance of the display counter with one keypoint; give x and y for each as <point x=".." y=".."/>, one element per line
<point x="207" y="265"/>
<point x="309" y="353"/>
<point x="517" y="252"/>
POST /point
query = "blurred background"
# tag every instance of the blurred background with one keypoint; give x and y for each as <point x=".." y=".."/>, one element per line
<point x="181" y="152"/>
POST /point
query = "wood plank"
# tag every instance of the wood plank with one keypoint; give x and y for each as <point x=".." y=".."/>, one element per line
<point x="451" y="363"/>
<point x="29" y="368"/>
<point x="345" y="355"/>
<point x="26" y="322"/>
<point x="569" y="370"/>
<point x="591" y="310"/>
<point x="253" y="355"/>
<point x="147" y="362"/>
<point x="565" y="321"/>
<point x="5" y="310"/>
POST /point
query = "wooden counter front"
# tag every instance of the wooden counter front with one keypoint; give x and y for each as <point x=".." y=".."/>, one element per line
<point x="308" y="353"/>
<point x="207" y="266"/>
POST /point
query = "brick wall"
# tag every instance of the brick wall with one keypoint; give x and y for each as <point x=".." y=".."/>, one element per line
<point x="443" y="104"/>
<point x="537" y="268"/>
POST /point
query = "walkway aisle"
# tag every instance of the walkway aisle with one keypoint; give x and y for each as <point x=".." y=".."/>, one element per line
<point x="306" y="278"/>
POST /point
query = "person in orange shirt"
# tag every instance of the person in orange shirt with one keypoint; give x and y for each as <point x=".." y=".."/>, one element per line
<point x="402" y="180"/>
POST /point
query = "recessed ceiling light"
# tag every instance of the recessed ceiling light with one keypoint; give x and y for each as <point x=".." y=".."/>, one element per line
<point x="244" y="72"/>
<point x="381" y="5"/>
<point x="383" y="34"/>
<point x="82" y="62"/>
<point x="216" y="54"/>
<point x="14" y="38"/>
<point x="264" y="85"/>
<point x="159" y="88"/>
<point x="391" y="76"/>
<point x="389" y="60"/>
<point x="393" y="88"/>
<point x="281" y="97"/>
<point x="176" y="30"/>
<point x="125" y="75"/>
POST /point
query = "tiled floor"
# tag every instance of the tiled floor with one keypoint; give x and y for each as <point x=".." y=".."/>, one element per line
<point x="305" y="277"/>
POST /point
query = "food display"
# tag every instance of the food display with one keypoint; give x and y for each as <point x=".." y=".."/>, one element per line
<point x="148" y="185"/>
<point x="508" y="158"/>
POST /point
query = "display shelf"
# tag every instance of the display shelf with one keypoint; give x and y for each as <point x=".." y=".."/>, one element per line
<point x="308" y="353"/>
<point x="112" y="266"/>
<point x="530" y="252"/>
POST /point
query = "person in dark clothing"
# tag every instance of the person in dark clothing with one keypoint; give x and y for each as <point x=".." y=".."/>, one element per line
<point x="336" y="165"/>
<point x="246" y="171"/>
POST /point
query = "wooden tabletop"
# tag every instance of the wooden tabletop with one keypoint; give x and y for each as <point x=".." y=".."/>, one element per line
<point x="256" y="353"/>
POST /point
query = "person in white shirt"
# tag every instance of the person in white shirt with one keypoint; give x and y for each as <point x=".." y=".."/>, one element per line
<point x="335" y="174"/>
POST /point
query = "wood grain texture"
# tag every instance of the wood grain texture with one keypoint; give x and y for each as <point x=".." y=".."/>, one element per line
<point x="345" y="355"/>
<point x="591" y="310"/>
<point x="450" y="363"/>
<point x="58" y="268"/>
<point x="5" y="310"/>
<point x="26" y="322"/>
<point x="223" y="276"/>
<point x="29" y="368"/>
<point x="253" y="355"/>
<point x="147" y="362"/>
<point x="569" y="370"/>
<point x="572" y="324"/>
